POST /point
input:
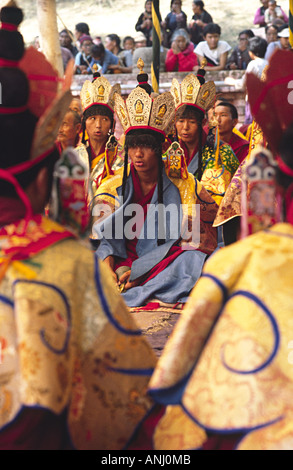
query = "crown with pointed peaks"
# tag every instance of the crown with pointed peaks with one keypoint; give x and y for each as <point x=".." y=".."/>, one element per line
<point x="98" y="92"/>
<point x="194" y="91"/>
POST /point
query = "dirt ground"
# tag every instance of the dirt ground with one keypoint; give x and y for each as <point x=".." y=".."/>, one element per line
<point x="120" y="16"/>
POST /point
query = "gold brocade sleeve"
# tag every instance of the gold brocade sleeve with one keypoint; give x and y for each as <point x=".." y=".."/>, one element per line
<point x="71" y="343"/>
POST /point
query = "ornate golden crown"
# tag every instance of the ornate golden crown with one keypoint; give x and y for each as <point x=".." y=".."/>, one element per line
<point x="99" y="91"/>
<point x="192" y="92"/>
<point x="141" y="111"/>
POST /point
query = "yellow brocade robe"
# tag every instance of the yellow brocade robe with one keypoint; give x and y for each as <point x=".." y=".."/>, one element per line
<point x="68" y="343"/>
<point x="228" y="364"/>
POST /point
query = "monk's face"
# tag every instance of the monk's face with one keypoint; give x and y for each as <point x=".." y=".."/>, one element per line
<point x="187" y="129"/>
<point x="98" y="127"/>
<point x="144" y="160"/>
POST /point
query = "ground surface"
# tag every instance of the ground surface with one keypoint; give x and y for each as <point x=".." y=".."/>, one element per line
<point x="120" y="16"/>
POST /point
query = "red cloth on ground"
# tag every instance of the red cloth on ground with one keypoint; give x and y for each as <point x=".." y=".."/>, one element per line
<point x="239" y="146"/>
<point x="182" y="62"/>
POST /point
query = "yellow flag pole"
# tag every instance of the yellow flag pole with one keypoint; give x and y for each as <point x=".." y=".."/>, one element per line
<point x="291" y="22"/>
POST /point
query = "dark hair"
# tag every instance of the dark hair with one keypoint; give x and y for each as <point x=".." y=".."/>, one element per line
<point x="172" y="1"/>
<point x="190" y="112"/>
<point x="98" y="50"/>
<point x="211" y="28"/>
<point x="114" y="37"/>
<point x="248" y="33"/>
<point x="232" y="108"/>
<point x="199" y="3"/>
<point x="258" y="46"/>
<point x="82" y="28"/>
<point x="128" y="38"/>
<point x="69" y="33"/>
<point x="268" y="26"/>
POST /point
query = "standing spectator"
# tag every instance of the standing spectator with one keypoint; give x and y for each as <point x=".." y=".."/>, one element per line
<point x="240" y="58"/>
<point x="65" y="38"/>
<point x="282" y="43"/>
<point x="212" y="49"/>
<point x="112" y="44"/>
<point x="181" y="56"/>
<point x="199" y="20"/>
<point x="273" y="12"/>
<point x="259" y="18"/>
<point x="176" y="19"/>
<point x="83" y="57"/>
<point x="103" y="58"/>
<point x="145" y="22"/>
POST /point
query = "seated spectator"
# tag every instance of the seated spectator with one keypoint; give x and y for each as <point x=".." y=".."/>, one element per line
<point x="103" y="58"/>
<point x="274" y="11"/>
<point x="176" y="19"/>
<point x="68" y="133"/>
<point x="283" y="42"/>
<point x="181" y="58"/>
<point x="199" y="20"/>
<point x="140" y="40"/>
<point x="145" y="22"/>
<point x="259" y="18"/>
<point x="112" y="44"/>
<point x="128" y="43"/>
<point x="226" y="115"/>
<point x="257" y="50"/>
<point x="65" y="38"/>
<point x="271" y="33"/>
<point x="83" y="58"/>
<point x="97" y="40"/>
<point x="240" y="58"/>
<point x="212" y="49"/>
<point x="80" y="30"/>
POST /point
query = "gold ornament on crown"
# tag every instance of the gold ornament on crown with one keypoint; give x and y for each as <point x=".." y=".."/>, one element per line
<point x="140" y="110"/>
<point x="192" y="92"/>
<point x="99" y="91"/>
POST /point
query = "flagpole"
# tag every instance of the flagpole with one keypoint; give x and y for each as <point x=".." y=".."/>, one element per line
<point x="156" y="36"/>
<point x="291" y="22"/>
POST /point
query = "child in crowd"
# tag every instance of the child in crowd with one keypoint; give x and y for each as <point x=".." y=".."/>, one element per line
<point x="212" y="49"/>
<point x="102" y="58"/>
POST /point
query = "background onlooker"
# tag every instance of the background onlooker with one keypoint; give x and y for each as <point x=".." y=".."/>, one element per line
<point x="112" y="43"/>
<point x="257" y="50"/>
<point x="181" y="56"/>
<point x="66" y="39"/>
<point x="212" y="48"/>
<point x="271" y="33"/>
<point x="103" y="58"/>
<point x="83" y="57"/>
<point x="145" y="22"/>
<point x="240" y="58"/>
<point x="283" y="42"/>
<point x="80" y="30"/>
<point x="140" y="40"/>
<point x="176" y="19"/>
<point x="273" y="12"/>
<point x="259" y="18"/>
<point x="199" y="20"/>
<point x="128" y="43"/>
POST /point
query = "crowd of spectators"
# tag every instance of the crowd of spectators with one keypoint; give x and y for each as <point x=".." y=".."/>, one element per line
<point x="184" y="43"/>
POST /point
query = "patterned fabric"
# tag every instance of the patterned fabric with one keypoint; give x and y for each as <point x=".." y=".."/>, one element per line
<point x="228" y="361"/>
<point x="68" y="343"/>
<point x="218" y="172"/>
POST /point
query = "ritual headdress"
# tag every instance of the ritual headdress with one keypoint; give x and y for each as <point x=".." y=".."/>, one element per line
<point x="145" y="120"/>
<point x="97" y="97"/>
<point x="194" y="92"/>
<point x="31" y="110"/>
